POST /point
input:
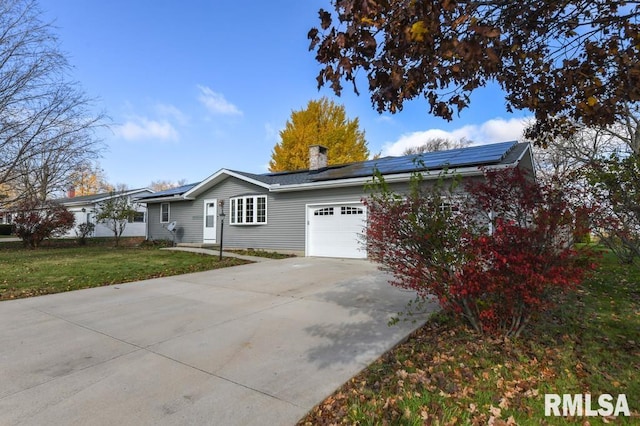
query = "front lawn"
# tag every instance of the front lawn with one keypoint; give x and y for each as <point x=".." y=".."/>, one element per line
<point x="444" y="374"/>
<point x="54" y="269"/>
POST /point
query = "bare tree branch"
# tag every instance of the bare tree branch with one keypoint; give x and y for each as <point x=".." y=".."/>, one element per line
<point x="46" y="123"/>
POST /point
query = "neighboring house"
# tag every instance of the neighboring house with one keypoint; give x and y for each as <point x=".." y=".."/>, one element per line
<point x="85" y="208"/>
<point x="314" y="212"/>
<point x="6" y="217"/>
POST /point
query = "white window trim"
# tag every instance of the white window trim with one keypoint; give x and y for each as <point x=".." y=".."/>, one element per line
<point x="233" y="204"/>
<point x="168" y="213"/>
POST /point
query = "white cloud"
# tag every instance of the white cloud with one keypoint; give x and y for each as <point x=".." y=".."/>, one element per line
<point x="170" y="111"/>
<point x="141" y="128"/>
<point x="216" y="103"/>
<point x="500" y="130"/>
<point x="495" y="130"/>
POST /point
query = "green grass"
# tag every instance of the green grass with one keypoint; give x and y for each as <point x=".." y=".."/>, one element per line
<point x="445" y="374"/>
<point x="25" y="273"/>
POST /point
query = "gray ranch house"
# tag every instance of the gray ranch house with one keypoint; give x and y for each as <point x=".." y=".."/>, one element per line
<point x="314" y="212"/>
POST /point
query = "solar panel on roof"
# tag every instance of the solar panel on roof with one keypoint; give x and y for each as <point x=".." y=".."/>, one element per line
<point x="475" y="155"/>
<point x="171" y="191"/>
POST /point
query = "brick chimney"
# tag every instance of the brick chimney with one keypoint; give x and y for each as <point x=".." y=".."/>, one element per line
<point x="71" y="192"/>
<point x="317" y="157"/>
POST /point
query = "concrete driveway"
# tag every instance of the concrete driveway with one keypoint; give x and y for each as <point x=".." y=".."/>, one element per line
<point x="254" y="344"/>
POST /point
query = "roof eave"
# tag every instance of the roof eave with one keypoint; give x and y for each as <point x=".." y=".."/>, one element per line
<point x="390" y="178"/>
<point x="175" y="197"/>
<point x="217" y="177"/>
<point x="77" y="203"/>
<point x="72" y="202"/>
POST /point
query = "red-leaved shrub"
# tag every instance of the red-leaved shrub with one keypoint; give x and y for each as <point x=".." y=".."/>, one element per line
<point x="492" y="252"/>
<point x="37" y="220"/>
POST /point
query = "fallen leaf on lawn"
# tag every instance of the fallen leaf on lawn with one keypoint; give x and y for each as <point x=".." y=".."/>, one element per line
<point x="452" y="422"/>
<point x="504" y="403"/>
<point x="495" y="411"/>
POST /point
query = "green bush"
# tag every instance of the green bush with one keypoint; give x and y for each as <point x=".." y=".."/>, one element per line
<point x="156" y="243"/>
<point x="83" y="231"/>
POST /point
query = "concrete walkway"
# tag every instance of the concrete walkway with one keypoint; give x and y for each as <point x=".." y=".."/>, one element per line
<point x="9" y="239"/>
<point x="257" y="344"/>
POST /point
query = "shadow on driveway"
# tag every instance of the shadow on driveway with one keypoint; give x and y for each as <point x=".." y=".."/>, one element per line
<point x="371" y="302"/>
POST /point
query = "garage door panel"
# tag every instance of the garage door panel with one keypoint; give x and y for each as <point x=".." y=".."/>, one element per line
<point x="335" y="230"/>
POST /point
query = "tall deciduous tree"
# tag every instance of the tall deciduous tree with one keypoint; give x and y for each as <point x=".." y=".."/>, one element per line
<point x="89" y="179"/>
<point x="46" y="123"/>
<point x="437" y="144"/>
<point x="562" y="159"/>
<point x="161" y="185"/>
<point x="322" y="122"/>
<point x="627" y="129"/>
<point x="566" y="61"/>
<point x="616" y="188"/>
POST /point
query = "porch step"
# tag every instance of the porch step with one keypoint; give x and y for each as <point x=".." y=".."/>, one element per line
<point x="198" y="245"/>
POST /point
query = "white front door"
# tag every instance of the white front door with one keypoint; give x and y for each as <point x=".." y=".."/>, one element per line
<point x="210" y="219"/>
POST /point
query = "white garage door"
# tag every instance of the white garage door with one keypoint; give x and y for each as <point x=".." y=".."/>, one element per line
<point x="336" y="230"/>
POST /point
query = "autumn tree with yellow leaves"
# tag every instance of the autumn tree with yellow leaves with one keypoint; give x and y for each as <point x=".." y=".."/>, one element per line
<point x="324" y="123"/>
<point x="90" y="179"/>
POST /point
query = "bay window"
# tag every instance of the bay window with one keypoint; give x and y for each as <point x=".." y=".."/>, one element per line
<point x="248" y="210"/>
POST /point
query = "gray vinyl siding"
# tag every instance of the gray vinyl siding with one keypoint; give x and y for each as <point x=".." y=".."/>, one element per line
<point x="285" y="229"/>
<point x="286" y="215"/>
<point x="235" y="236"/>
<point x="189" y="214"/>
<point x="189" y="222"/>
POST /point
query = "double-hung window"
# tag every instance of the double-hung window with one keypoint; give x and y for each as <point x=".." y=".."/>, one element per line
<point x="249" y="210"/>
<point x="164" y="212"/>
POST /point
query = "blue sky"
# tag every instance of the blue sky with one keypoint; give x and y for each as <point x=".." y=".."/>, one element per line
<point x="192" y="87"/>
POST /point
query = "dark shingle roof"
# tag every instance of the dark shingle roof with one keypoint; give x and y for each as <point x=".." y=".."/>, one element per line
<point x="281" y="178"/>
<point x="91" y="198"/>
<point x="481" y="155"/>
